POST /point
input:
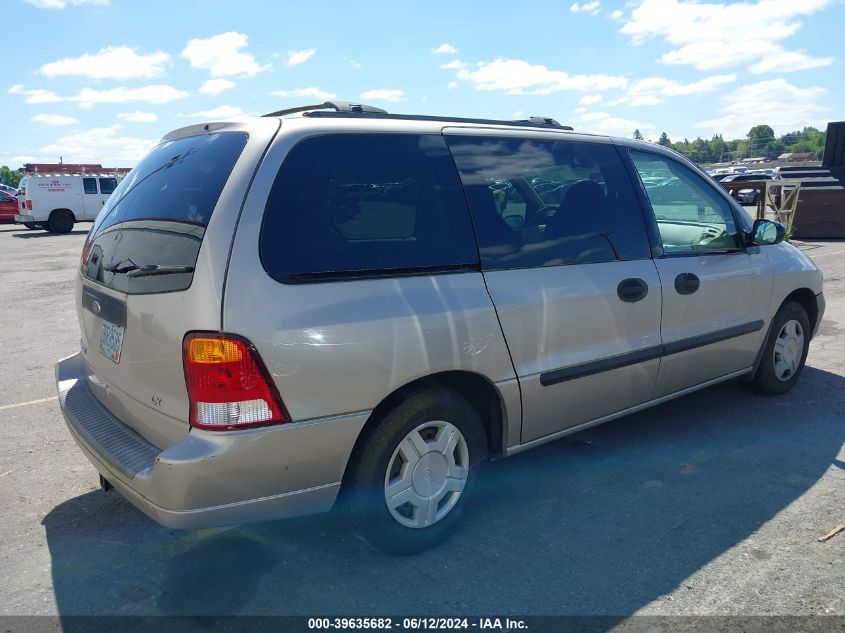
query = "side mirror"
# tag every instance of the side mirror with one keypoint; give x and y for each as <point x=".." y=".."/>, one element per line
<point x="767" y="232"/>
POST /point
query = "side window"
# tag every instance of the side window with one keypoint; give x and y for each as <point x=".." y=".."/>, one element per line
<point x="691" y="216"/>
<point x="107" y="185"/>
<point x="353" y="205"/>
<point x="90" y="185"/>
<point x="549" y="203"/>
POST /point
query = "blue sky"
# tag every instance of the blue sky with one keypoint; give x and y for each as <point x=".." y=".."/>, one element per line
<point x="103" y="80"/>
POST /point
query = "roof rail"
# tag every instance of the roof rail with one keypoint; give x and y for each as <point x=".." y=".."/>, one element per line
<point x="534" y="122"/>
<point x="543" y="120"/>
<point x="337" y="106"/>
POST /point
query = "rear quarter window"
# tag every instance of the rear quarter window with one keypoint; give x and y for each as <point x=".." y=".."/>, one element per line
<point x="363" y="205"/>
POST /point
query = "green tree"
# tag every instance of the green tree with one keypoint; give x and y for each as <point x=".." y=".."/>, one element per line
<point x="637" y="135"/>
<point x="9" y="176"/>
<point x="759" y="138"/>
<point x="664" y="140"/>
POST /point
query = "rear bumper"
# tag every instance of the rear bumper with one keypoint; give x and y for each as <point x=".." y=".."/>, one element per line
<point x="211" y="479"/>
<point x="21" y="219"/>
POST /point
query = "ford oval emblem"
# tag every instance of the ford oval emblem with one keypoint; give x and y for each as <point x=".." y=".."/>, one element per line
<point x="95" y="307"/>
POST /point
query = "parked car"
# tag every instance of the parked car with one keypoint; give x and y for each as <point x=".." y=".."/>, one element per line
<point x="261" y="334"/>
<point x="7" y="189"/>
<point x="746" y="196"/>
<point x="57" y="201"/>
<point x="8" y="206"/>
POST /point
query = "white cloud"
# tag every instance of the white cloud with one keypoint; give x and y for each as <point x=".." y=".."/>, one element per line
<point x="53" y="119"/>
<point x="445" y="49"/>
<point x="216" y="86"/>
<point x="453" y="85"/>
<point x="518" y="114"/>
<point x="36" y="95"/>
<point x="580" y="110"/>
<point x="221" y="113"/>
<point x="455" y="64"/>
<point x="156" y="93"/>
<point x="775" y="102"/>
<point x="61" y="4"/>
<point x="221" y="56"/>
<point x="102" y="145"/>
<point x="138" y="117"/>
<point x="88" y="97"/>
<point x="300" y="57"/>
<point x="312" y="93"/>
<point x="590" y="99"/>
<point x="617" y="15"/>
<point x="788" y="61"/>
<point x="355" y="64"/>
<point x="592" y="8"/>
<point x="382" y="94"/>
<point x="516" y="76"/>
<point x="654" y="90"/>
<point x="112" y="62"/>
<point x="608" y="124"/>
<point x="711" y="35"/>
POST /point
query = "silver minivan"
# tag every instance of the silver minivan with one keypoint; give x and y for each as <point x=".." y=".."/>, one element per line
<point x="336" y="303"/>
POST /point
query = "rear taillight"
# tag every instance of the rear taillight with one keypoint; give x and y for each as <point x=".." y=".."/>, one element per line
<point x="228" y="385"/>
<point x="29" y="205"/>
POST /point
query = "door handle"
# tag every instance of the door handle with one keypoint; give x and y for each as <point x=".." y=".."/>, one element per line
<point x="632" y="289"/>
<point x="687" y="283"/>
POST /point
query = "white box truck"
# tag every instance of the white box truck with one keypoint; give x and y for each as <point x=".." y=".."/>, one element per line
<point x="57" y="201"/>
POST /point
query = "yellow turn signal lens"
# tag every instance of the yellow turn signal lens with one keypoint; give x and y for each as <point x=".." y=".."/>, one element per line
<point x="213" y="350"/>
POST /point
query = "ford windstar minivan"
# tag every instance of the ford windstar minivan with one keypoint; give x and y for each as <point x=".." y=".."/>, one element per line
<point x="333" y="302"/>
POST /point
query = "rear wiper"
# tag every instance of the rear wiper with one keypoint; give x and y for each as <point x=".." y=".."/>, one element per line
<point x="155" y="269"/>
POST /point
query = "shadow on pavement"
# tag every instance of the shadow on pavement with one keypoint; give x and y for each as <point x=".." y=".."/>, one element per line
<point x="603" y="522"/>
<point x="27" y="234"/>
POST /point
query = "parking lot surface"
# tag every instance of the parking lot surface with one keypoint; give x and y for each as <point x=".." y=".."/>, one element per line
<point x="710" y="504"/>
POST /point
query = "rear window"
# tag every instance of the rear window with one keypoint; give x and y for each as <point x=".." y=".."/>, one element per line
<point x="363" y="205"/>
<point x="147" y="237"/>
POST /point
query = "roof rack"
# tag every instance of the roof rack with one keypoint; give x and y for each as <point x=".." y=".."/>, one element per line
<point x="542" y="120"/>
<point x="337" y="106"/>
<point x="532" y="122"/>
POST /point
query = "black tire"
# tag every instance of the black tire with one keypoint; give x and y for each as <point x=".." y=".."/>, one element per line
<point x="61" y="221"/>
<point x="766" y="381"/>
<point x="364" y="483"/>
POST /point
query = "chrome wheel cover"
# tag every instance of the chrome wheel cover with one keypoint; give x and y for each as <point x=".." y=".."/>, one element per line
<point x="789" y="347"/>
<point x="426" y="474"/>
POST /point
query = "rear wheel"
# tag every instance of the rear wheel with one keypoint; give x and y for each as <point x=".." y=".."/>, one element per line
<point x="408" y="481"/>
<point x="61" y="221"/>
<point x="785" y="351"/>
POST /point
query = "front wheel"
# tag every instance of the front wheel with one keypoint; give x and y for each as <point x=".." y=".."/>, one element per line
<point x="785" y="351"/>
<point x="409" y="479"/>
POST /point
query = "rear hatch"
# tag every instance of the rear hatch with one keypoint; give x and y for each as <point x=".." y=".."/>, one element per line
<point x="153" y="266"/>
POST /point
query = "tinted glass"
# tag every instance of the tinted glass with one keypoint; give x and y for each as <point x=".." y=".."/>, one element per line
<point x="108" y="185"/>
<point x="691" y="215"/>
<point x="366" y="204"/>
<point x="90" y="185"/>
<point x="157" y="215"/>
<point x="549" y="203"/>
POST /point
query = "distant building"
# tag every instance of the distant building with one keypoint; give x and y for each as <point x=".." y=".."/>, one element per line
<point x="756" y="159"/>
<point x="71" y="168"/>
<point x="796" y="157"/>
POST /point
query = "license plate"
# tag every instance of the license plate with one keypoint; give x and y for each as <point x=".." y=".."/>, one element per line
<point x="111" y="341"/>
